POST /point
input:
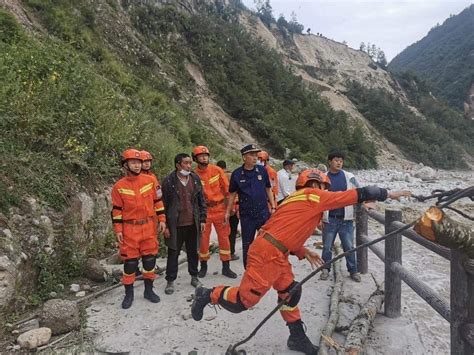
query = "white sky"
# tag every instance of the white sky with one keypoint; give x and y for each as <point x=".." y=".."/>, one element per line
<point x="392" y="25"/>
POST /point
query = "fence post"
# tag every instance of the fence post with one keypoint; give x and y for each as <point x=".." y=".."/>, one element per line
<point x="462" y="303"/>
<point x="393" y="253"/>
<point x="362" y="228"/>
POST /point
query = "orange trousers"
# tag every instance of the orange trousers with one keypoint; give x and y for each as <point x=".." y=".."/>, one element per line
<point x="215" y="216"/>
<point x="266" y="267"/>
<point x="139" y="240"/>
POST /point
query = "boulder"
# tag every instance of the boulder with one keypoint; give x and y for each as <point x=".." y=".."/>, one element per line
<point x="74" y="288"/>
<point x="29" y="325"/>
<point x="94" y="271"/>
<point x="61" y="316"/>
<point x="34" y="338"/>
<point x="7" y="280"/>
<point x="425" y="173"/>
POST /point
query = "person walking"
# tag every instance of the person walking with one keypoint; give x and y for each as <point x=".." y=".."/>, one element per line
<point x="186" y="215"/>
<point x="286" y="181"/>
<point x="339" y="221"/>
<point x="252" y="184"/>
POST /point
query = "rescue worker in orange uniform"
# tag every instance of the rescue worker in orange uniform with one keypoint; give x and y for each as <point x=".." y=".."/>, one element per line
<point x="286" y="232"/>
<point x="137" y="216"/>
<point x="263" y="160"/>
<point x="216" y="189"/>
<point x="147" y="159"/>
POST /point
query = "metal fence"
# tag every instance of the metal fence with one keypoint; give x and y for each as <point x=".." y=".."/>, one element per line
<point x="458" y="310"/>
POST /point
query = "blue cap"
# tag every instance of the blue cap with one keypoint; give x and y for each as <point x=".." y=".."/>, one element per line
<point x="250" y="148"/>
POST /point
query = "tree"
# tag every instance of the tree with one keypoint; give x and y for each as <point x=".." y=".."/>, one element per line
<point x="362" y="47"/>
<point x="264" y="11"/>
<point x="381" y="59"/>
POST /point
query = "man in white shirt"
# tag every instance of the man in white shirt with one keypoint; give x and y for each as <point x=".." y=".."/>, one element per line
<point x="286" y="181"/>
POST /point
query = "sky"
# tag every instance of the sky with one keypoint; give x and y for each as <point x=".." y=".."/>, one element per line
<point x="390" y="24"/>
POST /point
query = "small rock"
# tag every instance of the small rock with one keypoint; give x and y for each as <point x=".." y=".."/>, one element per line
<point x="34" y="338"/>
<point x="114" y="259"/>
<point x="16" y="347"/>
<point x="61" y="287"/>
<point x="96" y="309"/>
<point x="86" y="287"/>
<point x="189" y="298"/>
<point x="9" y="347"/>
<point x="8" y="325"/>
<point x="75" y="288"/>
<point x="94" y="271"/>
<point x="209" y="318"/>
<point x="15" y="332"/>
<point x="53" y="294"/>
<point x="81" y="294"/>
<point x="186" y="316"/>
<point x="61" y="316"/>
<point x="215" y="273"/>
<point x="24" y="257"/>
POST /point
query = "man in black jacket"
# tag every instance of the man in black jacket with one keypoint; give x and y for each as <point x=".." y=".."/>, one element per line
<point x="185" y="210"/>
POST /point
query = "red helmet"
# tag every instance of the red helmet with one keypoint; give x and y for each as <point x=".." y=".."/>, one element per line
<point x="130" y="154"/>
<point x="146" y="155"/>
<point x="200" y="149"/>
<point x="312" y="175"/>
<point x="263" y="155"/>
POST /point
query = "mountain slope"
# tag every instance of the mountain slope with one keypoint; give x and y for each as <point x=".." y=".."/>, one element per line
<point x="444" y="58"/>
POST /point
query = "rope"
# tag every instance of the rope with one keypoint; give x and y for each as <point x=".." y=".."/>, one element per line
<point x="448" y="198"/>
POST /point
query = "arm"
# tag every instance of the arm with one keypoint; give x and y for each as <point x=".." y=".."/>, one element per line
<point x="117" y="214"/>
<point x="271" y="198"/>
<point x="230" y="205"/>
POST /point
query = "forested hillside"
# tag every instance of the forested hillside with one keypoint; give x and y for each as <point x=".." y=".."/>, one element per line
<point x="444" y="58"/>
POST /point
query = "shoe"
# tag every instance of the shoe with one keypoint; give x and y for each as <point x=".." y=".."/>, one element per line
<point x="202" y="297"/>
<point x="324" y="274"/>
<point x="356" y="277"/>
<point x="202" y="273"/>
<point x="128" y="299"/>
<point x="234" y="257"/>
<point x="149" y="294"/>
<point x="195" y="282"/>
<point x="169" y="289"/>
<point x="226" y="271"/>
<point x="298" y="340"/>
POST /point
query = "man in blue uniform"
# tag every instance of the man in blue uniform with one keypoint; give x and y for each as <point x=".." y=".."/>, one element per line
<point x="256" y="203"/>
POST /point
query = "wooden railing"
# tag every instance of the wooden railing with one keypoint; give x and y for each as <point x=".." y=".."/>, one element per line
<point x="458" y="310"/>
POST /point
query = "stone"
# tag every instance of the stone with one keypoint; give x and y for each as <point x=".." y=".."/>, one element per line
<point x="114" y="260"/>
<point x="8" y="278"/>
<point x="53" y="294"/>
<point x="81" y="294"/>
<point x="86" y="287"/>
<point x="425" y="173"/>
<point x="8" y="233"/>
<point x="87" y="207"/>
<point x="34" y="338"/>
<point x="61" y="316"/>
<point x="29" y="325"/>
<point x="75" y="288"/>
<point x="186" y="316"/>
<point x="94" y="271"/>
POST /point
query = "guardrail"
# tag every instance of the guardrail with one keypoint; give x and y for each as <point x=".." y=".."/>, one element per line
<point x="458" y="310"/>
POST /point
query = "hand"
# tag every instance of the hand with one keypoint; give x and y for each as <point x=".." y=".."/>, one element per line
<point x="368" y="205"/>
<point x="203" y="227"/>
<point x="161" y="227"/>
<point x="226" y="217"/>
<point x="313" y="258"/>
<point x="166" y="233"/>
<point x="272" y="210"/>
<point x="119" y="236"/>
<point x="395" y="195"/>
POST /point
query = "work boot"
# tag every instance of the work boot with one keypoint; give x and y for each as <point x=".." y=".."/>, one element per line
<point x="226" y="271"/>
<point x="169" y="289"/>
<point x="298" y="340"/>
<point x="202" y="273"/>
<point x="195" y="282"/>
<point x="234" y="257"/>
<point x="202" y="297"/>
<point x="356" y="277"/>
<point x="324" y="274"/>
<point x="149" y="294"/>
<point x="128" y="299"/>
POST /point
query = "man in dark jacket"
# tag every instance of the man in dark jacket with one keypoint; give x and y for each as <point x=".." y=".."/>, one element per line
<point x="185" y="209"/>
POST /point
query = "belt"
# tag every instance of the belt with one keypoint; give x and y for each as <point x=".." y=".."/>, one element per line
<point x="138" y="221"/>
<point x="214" y="203"/>
<point x="337" y="217"/>
<point x="276" y="243"/>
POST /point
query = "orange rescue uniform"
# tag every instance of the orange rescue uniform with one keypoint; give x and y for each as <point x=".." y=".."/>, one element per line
<point x="216" y="187"/>
<point x="135" y="212"/>
<point x="273" y="176"/>
<point x="267" y="266"/>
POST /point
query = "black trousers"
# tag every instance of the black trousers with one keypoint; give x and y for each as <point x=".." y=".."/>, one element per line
<point x="186" y="235"/>
<point x="234" y="223"/>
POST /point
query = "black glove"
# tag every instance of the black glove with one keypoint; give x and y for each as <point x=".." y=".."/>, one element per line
<point x="371" y="193"/>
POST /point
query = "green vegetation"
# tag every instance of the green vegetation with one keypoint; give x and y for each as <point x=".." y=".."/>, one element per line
<point x="420" y="140"/>
<point x="444" y="58"/>
<point x="255" y="87"/>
